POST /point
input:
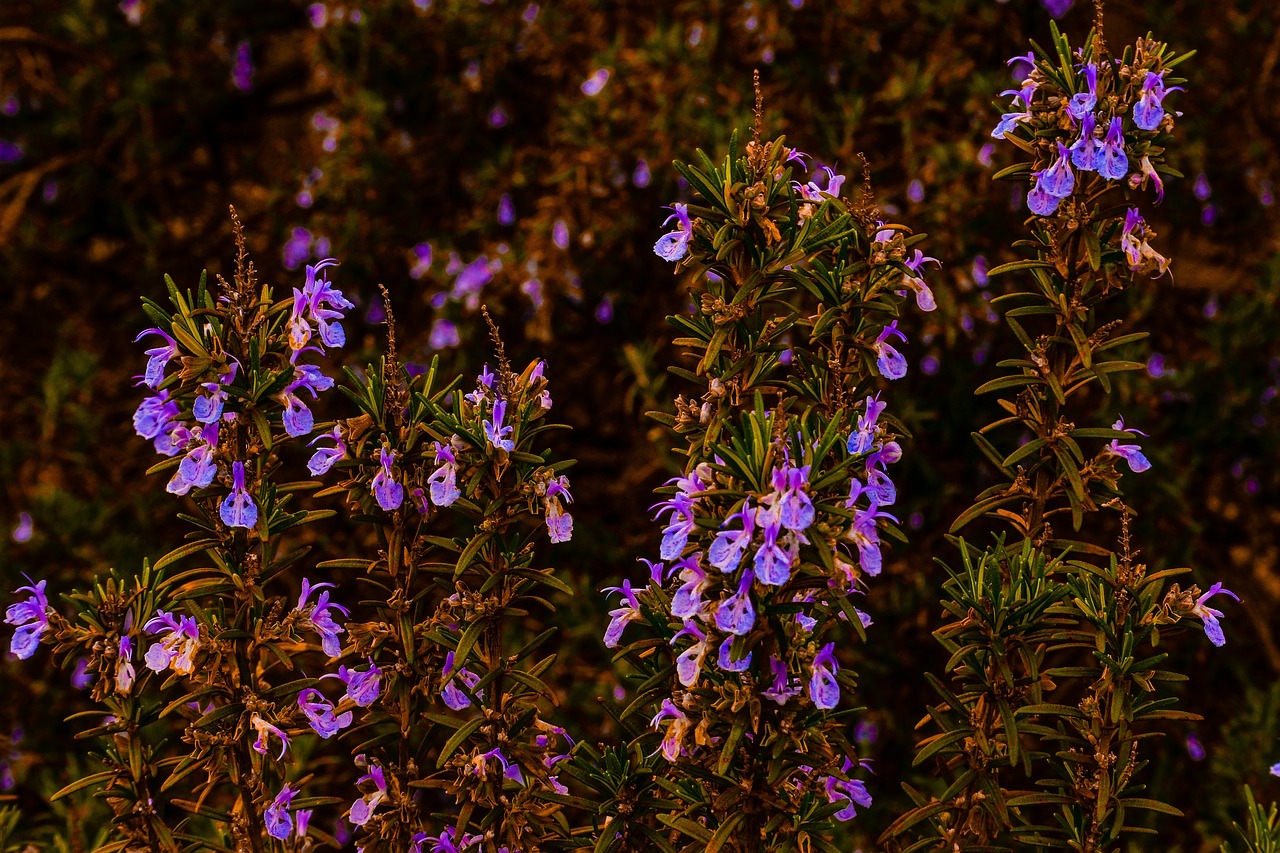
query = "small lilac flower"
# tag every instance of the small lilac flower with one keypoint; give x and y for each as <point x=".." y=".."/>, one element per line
<point x="1275" y="769"/>
<point x="594" y="84"/>
<point x="22" y="533"/>
<point x="1082" y="103"/>
<point x="1148" y="172"/>
<point x="449" y="692"/>
<point x="1195" y="749"/>
<point x="81" y="678"/>
<point x="1057" y="8"/>
<point x="1009" y="121"/>
<point x="736" y="614"/>
<point x="386" y="490"/>
<point x="671" y="741"/>
<point x="276" y="815"/>
<point x="443" y="482"/>
<point x="560" y="234"/>
<point x="363" y="808"/>
<point x="297" y="249"/>
<point x="1131" y="453"/>
<point x="444" y="334"/>
<point x="125" y="673"/>
<point x="1058" y="180"/>
<point x="824" y="690"/>
<point x="1040" y="202"/>
<point x="726" y="551"/>
<point x="506" y="210"/>
<point x="510" y="769"/>
<point x="10" y="152"/>
<point x="265" y="730"/>
<point x="363" y="688"/>
<point x="324" y="458"/>
<point x="916" y="282"/>
<point x="689" y="662"/>
<point x="421" y="261"/>
<point x="153" y="415"/>
<point x="728" y="662"/>
<point x="494" y="432"/>
<point x="641" y="176"/>
<point x="238" y="509"/>
<point x="812" y="192"/>
<point x="673" y="245"/>
<point x="1112" y="162"/>
<point x="321" y="618"/>
<point x="177" y="650"/>
<point x="1148" y="112"/>
<point x="1209" y="616"/>
<point x="782" y="688"/>
<point x="319" y="713"/>
<point x="559" y="522"/>
<point x="30" y="618"/>
<point x="620" y="616"/>
<point x="1085" y="152"/>
<point x="891" y="363"/>
<point x="866" y="538"/>
<point x="862" y="438"/>
<point x="687" y="600"/>
<point x="853" y="792"/>
<point x="242" y="71"/>
<point x="318" y="14"/>
<point x="1202" y="189"/>
<point x="158" y="357"/>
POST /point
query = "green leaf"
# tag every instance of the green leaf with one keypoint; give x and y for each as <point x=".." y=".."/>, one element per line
<point x="451" y="746"/>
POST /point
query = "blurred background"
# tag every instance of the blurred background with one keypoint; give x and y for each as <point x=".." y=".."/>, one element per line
<point x="517" y="155"/>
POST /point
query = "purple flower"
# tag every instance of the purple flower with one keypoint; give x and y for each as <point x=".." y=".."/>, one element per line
<point x="1040" y="202"/>
<point x="443" y="482"/>
<point x="450" y="693"/>
<point x="671" y="741"/>
<point x="242" y="71"/>
<point x="324" y="458"/>
<point x="560" y="234"/>
<point x="125" y="673"/>
<point x="674" y="245"/>
<point x="176" y="650"/>
<point x="641" y="177"/>
<point x="891" y="363"/>
<point x="22" y="533"/>
<point x="494" y="432"/>
<point x="1085" y="153"/>
<point x="620" y="616"/>
<point x="362" y="809"/>
<point x="1148" y="112"/>
<point x="363" y="688"/>
<point x="319" y="713"/>
<point x="1082" y="103"/>
<point x="30" y="618"/>
<point x="321" y="618"/>
<point x="265" y="730"/>
<point x="687" y="600"/>
<point x="1275" y="769"/>
<point x="916" y="282"/>
<point x="386" y="490"/>
<point x="852" y="792"/>
<point x="158" y="357"/>
<point x="1131" y="453"/>
<point x="510" y="770"/>
<point x="1009" y="121"/>
<point x="594" y="84"/>
<point x="421" y="261"/>
<point x="1058" y="180"/>
<point x="864" y="535"/>
<point x="736" y="614"/>
<point x="823" y="688"/>
<point x="197" y="469"/>
<point x="728" y="662"/>
<point x="10" y="152"/>
<point x="153" y="416"/>
<point x="689" y="662"/>
<point x="782" y="688"/>
<point x="726" y="551"/>
<point x="444" y="334"/>
<point x="1112" y="162"/>
<point x="1148" y="172"/>
<point x="862" y="438"/>
<point x="238" y="508"/>
<point x="559" y="522"/>
<point x="318" y="14"/>
<point x="297" y="249"/>
<point x="812" y="192"/>
<point x="506" y="210"/>
<point x="276" y="815"/>
<point x="1056" y="9"/>
<point x="1209" y="616"/>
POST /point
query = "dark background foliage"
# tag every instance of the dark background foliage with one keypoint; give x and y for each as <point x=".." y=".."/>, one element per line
<point x="134" y="139"/>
